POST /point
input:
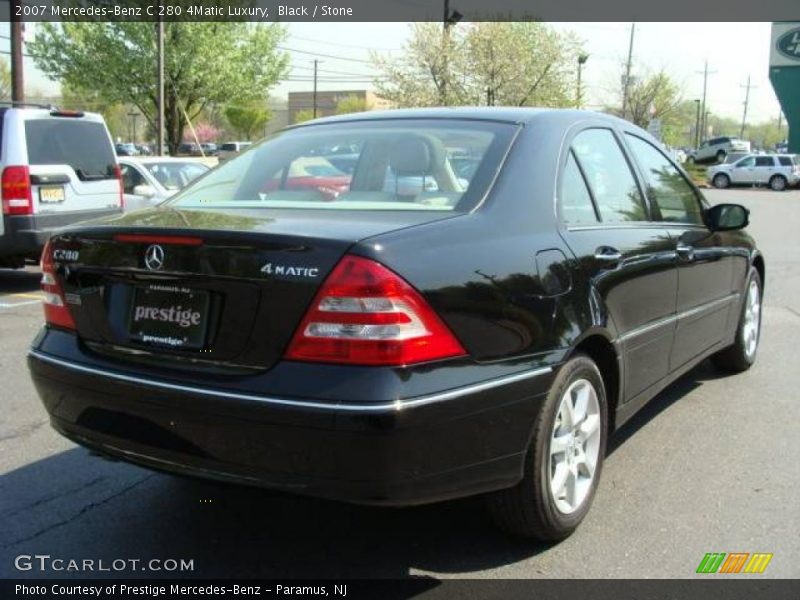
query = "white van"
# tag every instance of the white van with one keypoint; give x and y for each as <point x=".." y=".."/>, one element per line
<point x="58" y="168"/>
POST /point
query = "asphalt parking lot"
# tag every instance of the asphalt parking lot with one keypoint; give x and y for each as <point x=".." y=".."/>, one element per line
<point x="711" y="465"/>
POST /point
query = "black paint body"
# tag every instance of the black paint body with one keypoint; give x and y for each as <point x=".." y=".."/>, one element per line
<point x="520" y="291"/>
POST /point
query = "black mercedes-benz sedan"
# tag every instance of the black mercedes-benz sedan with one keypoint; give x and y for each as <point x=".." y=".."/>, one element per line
<point x="472" y="306"/>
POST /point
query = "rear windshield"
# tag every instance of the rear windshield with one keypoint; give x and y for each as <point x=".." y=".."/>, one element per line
<point x="441" y="164"/>
<point x="83" y="145"/>
<point x="175" y="175"/>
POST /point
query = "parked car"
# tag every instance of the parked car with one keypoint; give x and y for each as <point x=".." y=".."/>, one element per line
<point x="126" y="149"/>
<point x="149" y="181"/>
<point x="189" y="149"/>
<point x="144" y="150"/>
<point x="395" y="350"/>
<point x="778" y="171"/>
<point x="209" y="149"/>
<point x="230" y="149"/>
<point x="735" y="156"/>
<point x="716" y="149"/>
<point x="58" y="168"/>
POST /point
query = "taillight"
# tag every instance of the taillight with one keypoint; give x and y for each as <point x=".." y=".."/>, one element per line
<point x="365" y="314"/>
<point x="16" y="191"/>
<point x="118" y="175"/>
<point x="56" y="311"/>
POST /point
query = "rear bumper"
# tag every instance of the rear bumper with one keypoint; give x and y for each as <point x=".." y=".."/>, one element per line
<point x="457" y="442"/>
<point x="26" y="235"/>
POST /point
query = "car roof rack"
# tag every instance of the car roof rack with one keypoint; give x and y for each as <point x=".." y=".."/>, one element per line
<point x="15" y="103"/>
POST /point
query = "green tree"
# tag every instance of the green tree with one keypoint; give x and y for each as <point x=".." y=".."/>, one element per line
<point x="351" y="104"/>
<point x="247" y="120"/>
<point x="518" y="64"/>
<point x="5" y="80"/>
<point x="656" y="96"/>
<point x="205" y="63"/>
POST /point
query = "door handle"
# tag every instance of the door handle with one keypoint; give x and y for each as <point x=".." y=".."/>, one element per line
<point x="607" y="254"/>
<point x="684" y="251"/>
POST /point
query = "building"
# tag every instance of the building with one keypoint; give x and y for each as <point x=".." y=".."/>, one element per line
<point x="328" y="100"/>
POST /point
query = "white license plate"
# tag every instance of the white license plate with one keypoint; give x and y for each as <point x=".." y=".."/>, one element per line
<point x="51" y="194"/>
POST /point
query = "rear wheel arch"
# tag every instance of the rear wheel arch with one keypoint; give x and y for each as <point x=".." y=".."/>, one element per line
<point x="600" y="349"/>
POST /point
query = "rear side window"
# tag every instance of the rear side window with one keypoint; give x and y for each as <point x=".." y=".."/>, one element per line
<point x="83" y="145"/>
<point x="764" y="161"/>
<point x="609" y="176"/>
<point x="666" y="186"/>
<point x="387" y="164"/>
<point x="576" y="202"/>
<point x="786" y="161"/>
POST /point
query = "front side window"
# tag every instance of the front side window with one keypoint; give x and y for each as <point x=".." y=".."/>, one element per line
<point x="131" y="177"/>
<point x="391" y="164"/>
<point x="667" y="188"/>
<point x="748" y="161"/>
<point x="609" y="176"/>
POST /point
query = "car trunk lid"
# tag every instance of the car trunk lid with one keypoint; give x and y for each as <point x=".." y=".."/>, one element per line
<point x="199" y="288"/>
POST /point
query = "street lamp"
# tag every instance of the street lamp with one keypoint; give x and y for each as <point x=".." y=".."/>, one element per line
<point x="582" y="58"/>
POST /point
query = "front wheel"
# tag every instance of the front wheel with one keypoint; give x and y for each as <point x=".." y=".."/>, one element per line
<point x="741" y="355"/>
<point x="721" y="181"/>
<point x="564" y="460"/>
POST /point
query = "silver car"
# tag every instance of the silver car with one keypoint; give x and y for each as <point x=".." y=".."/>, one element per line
<point x="148" y="181"/>
<point x="778" y="171"/>
<point x="716" y="149"/>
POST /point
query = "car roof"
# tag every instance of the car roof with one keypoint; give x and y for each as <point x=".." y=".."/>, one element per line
<point x="29" y="112"/>
<point x="511" y="114"/>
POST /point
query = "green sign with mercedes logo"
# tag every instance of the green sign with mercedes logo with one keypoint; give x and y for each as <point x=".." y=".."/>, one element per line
<point x="788" y="44"/>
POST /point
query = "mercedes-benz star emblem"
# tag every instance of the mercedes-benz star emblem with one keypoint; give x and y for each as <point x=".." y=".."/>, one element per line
<point x="154" y="257"/>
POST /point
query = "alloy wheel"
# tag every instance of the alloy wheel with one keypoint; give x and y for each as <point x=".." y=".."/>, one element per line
<point x="575" y="446"/>
<point x="752" y="319"/>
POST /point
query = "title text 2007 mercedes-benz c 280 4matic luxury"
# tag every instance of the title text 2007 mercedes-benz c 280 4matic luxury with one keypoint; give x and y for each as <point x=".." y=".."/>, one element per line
<point x="466" y="301"/>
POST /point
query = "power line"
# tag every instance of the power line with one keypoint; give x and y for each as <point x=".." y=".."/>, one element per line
<point x="328" y="43"/>
<point x="321" y="55"/>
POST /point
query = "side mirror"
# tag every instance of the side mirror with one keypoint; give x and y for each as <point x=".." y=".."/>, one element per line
<point x="727" y="217"/>
<point x="144" y="190"/>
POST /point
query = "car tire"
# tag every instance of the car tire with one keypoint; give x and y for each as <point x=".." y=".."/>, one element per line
<point x="532" y="508"/>
<point x="721" y="154"/>
<point x="741" y="355"/>
<point x="721" y="181"/>
<point x="778" y="183"/>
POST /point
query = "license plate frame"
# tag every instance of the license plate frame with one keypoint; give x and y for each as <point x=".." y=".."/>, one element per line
<point x="151" y="323"/>
<point x="51" y="194"/>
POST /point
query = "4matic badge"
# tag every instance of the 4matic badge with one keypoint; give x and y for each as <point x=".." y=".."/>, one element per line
<point x="290" y="271"/>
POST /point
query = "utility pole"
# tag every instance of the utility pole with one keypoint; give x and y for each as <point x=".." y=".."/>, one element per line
<point x="17" y="80"/>
<point x="448" y="20"/>
<point x="746" y="103"/>
<point x="582" y="58"/>
<point x="160" y="75"/>
<point x="704" y="122"/>
<point x="697" y="124"/>
<point x="626" y="83"/>
<point x="315" y="87"/>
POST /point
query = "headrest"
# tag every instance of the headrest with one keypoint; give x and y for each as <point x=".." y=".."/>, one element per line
<point x="411" y="155"/>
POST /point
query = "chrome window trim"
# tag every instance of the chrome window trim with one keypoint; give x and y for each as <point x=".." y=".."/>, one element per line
<point x="396" y="405"/>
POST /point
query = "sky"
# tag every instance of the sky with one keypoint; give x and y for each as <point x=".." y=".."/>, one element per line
<point x="734" y="51"/>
